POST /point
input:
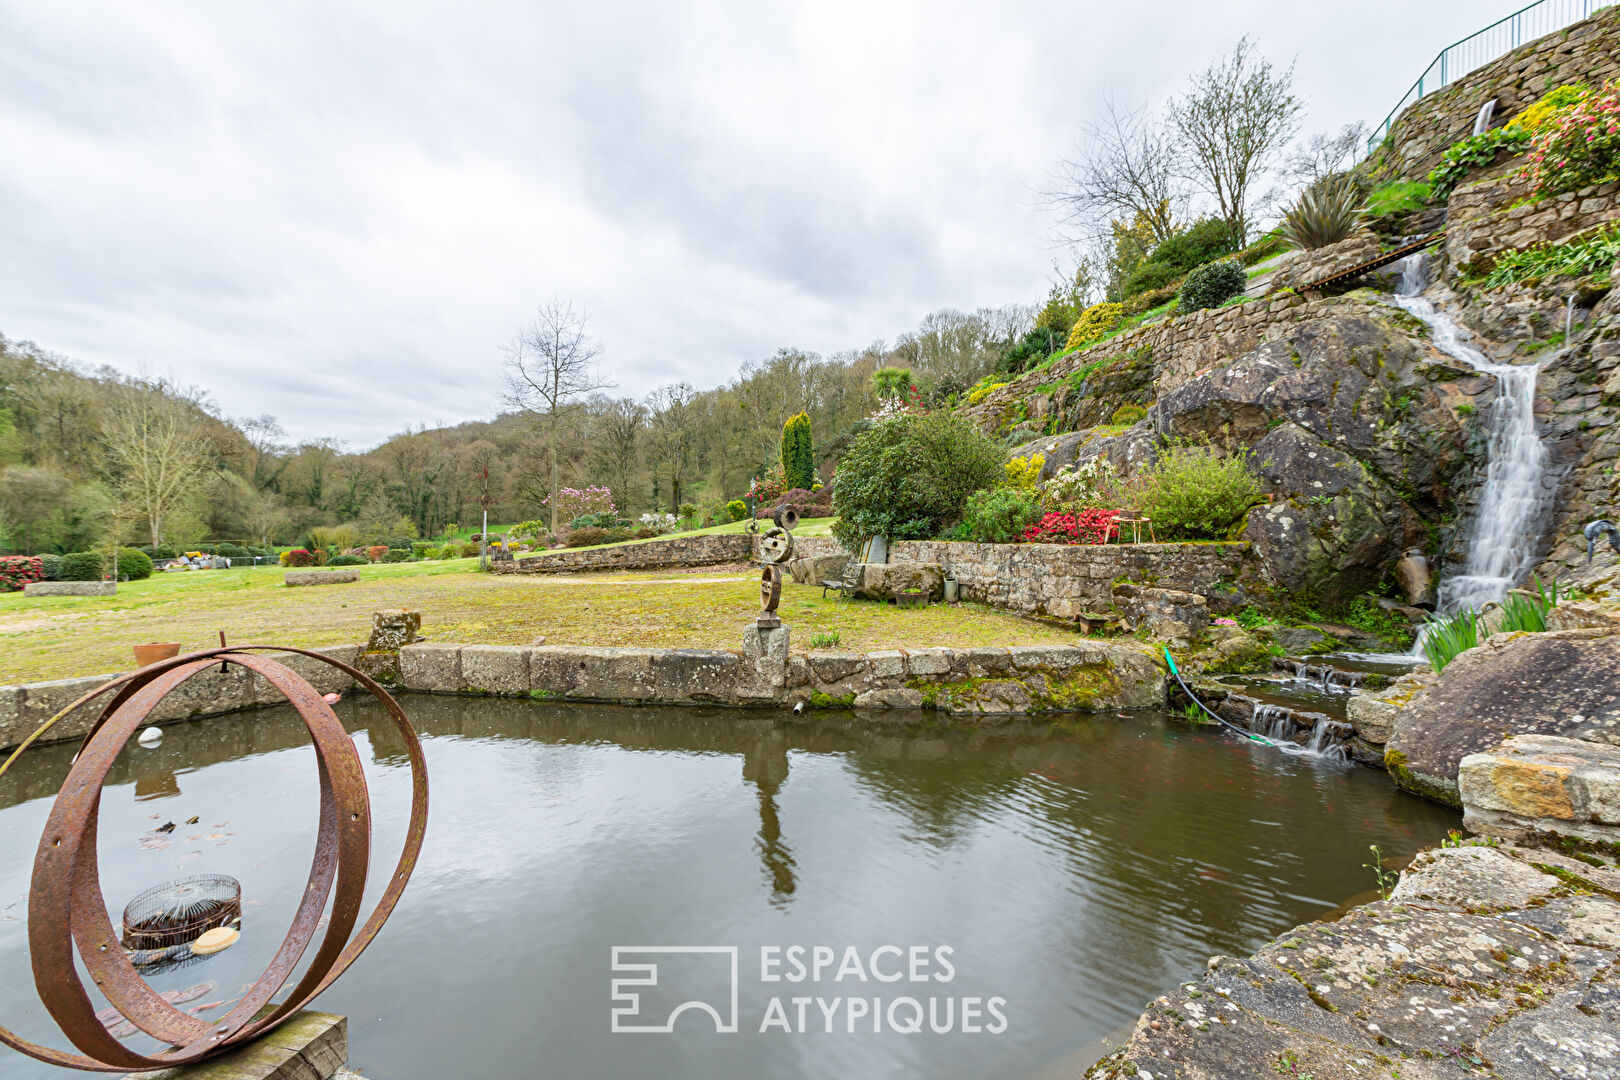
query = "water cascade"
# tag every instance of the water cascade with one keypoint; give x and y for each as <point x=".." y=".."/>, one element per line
<point x="1515" y="497"/>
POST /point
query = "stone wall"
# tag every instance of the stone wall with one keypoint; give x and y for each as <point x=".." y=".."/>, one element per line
<point x="1496" y="214"/>
<point x="1587" y="51"/>
<point x="208" y="693"/>
<point x="1067" y="580"/>
<point x="706" y="550"/>
<point x="1020" y="679"/>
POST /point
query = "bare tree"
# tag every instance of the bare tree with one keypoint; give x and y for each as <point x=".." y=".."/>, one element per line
<point x="615" y="446"/>
<point x="264" y="436"/>
<point x="672" y="434"/>
<point x="154" y="438"/>
<point x="1231" y="124"/>
<point x="1324" y="154"/>
<point x="1128" y="164"/>
<point x="550" y="370"/>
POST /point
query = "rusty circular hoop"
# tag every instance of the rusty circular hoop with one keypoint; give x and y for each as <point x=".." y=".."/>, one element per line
<point x="66" y="878"/>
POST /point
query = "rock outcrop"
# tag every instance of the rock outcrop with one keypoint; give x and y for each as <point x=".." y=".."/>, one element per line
<point x="1564" y="683"/>
<point x="1503" y="956"/>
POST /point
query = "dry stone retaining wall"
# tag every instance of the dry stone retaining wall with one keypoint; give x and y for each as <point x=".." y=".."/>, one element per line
<point x="1497" y="214"/>
<point x="1587" y="51"/>
<point x="1067" y="580"/>
<point x="707" y="550"/>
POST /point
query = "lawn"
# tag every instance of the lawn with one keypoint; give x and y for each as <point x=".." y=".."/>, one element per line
<point x="59" y="637"/>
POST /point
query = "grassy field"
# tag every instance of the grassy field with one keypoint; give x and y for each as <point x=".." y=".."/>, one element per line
<point x="58" y="637"/>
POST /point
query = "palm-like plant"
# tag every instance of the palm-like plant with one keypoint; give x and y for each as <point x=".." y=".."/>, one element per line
<point x="1327" y="212"/>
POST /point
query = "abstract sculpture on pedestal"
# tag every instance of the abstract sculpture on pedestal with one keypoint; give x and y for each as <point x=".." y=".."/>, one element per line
<point x="66" y="909"/>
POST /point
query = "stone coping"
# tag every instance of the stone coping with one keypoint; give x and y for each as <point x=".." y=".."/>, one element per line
<point x="990" y="681"/>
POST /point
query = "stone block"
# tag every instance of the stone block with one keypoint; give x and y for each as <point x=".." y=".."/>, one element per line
<point x="886" y="664"/>
<point x="495" y="669"/>
<point x="765" y="650"/>
<point x="431" y="669"/>
<point x="325" y="678"/>
<point x="616" y="675"/>
<point x="935" y="661"/>
<point x="899" y="698"/>
<point x="42" y="700"/>
<point x="697" y="674"/>
<point x="308" y="1046"/>
<point x="1532" y="785"/>
<point x="831" y="667"/>
<point x="1373" y="718"/>
<point x="815" y="569"/>
<point x="556" y="669"/>
<point x="881" y="581"/>
<point x="1031" y="657"/>
<point x="320" y="577"/>
<point x="392" y="629"/>
<point x="207" y="692"/>
<point x="11" y="720"/>
<point x="980" y="662"/>
<point x="71" y="588"/>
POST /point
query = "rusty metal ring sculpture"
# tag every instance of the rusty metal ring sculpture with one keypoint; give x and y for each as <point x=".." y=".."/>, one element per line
<point x="66" y="877"/>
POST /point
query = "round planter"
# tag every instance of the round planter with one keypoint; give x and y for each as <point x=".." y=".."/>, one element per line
<point x="153" y="651"/>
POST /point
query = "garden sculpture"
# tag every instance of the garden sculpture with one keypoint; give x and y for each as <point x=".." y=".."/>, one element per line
<point x="67" y="912"/>
<point x="1598" y="528"/>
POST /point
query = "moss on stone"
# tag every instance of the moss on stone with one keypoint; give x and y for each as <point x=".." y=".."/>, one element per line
<point x="818" y="700"/>
<point x="1395" y="762"/>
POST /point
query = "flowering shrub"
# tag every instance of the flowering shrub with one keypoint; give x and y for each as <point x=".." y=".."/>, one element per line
<point x="1095" y="321"/>
<point x="1476" y="151"/>
<point x="1095" y="526"/>
<point x="572" y="502"/>
<point x="1081" y="485"/>
<point x="1580" y="146"/>
<point x="1024" y="473"/>
<point x="982" y="389"/>
<point x="736" y="509"/>
<point x="299" y="557"/>
<point x="375" y="552"/>
<point x="19" y="570"/>
<point x="1545" y="110"/>
<point x="665" y="522"/>
<point x="769" y="487"/>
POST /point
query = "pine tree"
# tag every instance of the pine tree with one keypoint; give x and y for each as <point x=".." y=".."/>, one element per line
<point x="798" y="458"/>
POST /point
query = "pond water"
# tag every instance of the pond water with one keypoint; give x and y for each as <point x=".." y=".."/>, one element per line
<point x="1027" y="889"/>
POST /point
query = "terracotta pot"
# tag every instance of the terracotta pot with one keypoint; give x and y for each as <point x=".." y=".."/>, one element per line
<point x="153" y="651"/>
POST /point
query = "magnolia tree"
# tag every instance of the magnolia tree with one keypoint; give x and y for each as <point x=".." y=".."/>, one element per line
<point x="573" y="502"/>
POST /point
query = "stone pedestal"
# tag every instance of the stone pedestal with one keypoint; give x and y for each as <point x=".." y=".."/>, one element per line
<point x="310" y="1046"/>
<point x="765" y="651"/>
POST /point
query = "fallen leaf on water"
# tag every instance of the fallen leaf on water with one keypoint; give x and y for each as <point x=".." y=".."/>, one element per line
<point x="192" y="820"/>
<point x="154" y="843"/>
<point x="190" y="855"/>
<point x="220" y="824"/>
<point x="195" y="1009"/>
<point x="216" y="836"/>
<point x="192" y="993"/>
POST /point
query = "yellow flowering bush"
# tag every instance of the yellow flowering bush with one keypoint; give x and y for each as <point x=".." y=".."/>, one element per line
<point x="1093" y="323"/>
<point x="1023" y="474"/>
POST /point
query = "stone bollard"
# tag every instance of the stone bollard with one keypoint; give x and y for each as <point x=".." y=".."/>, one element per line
<point x="765" y="648"/>
<point x="1416" y="579"/>
<point x="391" y="630"/>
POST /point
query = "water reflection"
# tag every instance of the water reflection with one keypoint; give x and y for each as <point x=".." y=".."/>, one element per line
<point x="1075" y="868"/>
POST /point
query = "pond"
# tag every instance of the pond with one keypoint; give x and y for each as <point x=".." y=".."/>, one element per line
<point x="1016" y="893"/>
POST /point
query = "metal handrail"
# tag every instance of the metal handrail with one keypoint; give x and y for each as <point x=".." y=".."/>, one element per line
<point x="1480" y="48"/>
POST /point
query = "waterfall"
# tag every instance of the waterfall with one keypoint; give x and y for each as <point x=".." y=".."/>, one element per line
<point x="1482" y="122"/>
<point x="1514" y="499"/>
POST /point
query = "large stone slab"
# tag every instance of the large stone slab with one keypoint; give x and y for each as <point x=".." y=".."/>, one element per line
<point x="320" y="577"/>
<point x="1564" y="683"/>
<point x="70" y="588"/>
<point x="1536" y="785"/>
<point x="815" y="569"/>
<point x="881" y="581"/>
<point x="429" y="668"/>
<point x="705" y="675"/>
<point x="325" y="678"/>
<point x="495" y="669"/>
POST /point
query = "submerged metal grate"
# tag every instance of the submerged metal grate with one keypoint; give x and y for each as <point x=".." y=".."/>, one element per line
<point x="178" y="912"/>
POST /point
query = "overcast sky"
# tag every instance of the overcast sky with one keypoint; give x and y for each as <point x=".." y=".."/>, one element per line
<point x="339" y="213"/>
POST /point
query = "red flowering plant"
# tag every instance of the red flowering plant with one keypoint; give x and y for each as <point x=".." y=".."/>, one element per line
<point x="1094" y="526"/>
<point x="1579" y="146"/>
<point x="19" y="570"/>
